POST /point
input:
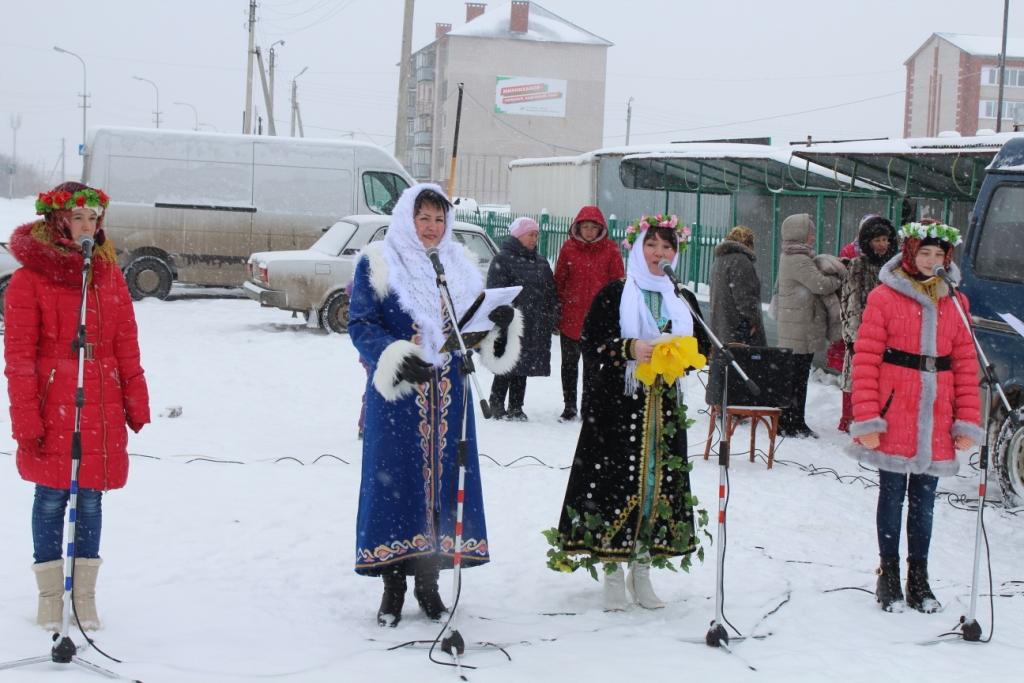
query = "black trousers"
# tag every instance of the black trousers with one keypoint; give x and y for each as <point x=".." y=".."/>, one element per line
<point x="793" y="415"/>
<point x="571" y="352"/>
<point x="514" y="386"/>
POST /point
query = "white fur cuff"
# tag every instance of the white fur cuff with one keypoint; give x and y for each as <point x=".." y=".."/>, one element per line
<point x="385" y="377"/>
<point x="968" y="429"/>
<point x="878" y="424"/>
<point x="504" y="363"/>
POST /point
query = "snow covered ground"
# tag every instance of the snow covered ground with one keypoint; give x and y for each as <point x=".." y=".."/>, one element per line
<point x="228" y="557"/>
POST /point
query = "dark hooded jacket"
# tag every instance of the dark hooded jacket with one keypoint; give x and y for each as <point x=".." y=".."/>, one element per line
<point x="538" y="302"/>
<point x="736" y="296"/>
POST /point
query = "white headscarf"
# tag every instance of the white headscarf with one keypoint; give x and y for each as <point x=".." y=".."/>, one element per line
<point x="635" y="319"/>
<point x="411" y="275"/>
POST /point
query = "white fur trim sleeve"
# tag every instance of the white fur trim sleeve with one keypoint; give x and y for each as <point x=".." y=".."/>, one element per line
<point x="504" y="363"/>
<point x="868" y="427"/>
<point x="968" y="429"/>
<point x="385" y="377"/>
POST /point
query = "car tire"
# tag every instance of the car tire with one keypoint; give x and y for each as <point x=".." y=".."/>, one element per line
<point x="1009" y="457"/>
<point x="334" y="316"/>
<point x="148" y="276"/>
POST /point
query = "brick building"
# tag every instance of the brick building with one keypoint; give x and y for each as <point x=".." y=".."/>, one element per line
<point x="953" y="84"/>
<point x="534" y="87"/>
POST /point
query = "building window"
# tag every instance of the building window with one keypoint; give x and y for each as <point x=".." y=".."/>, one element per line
<point x="987" y="109"/>
<point x="1014" y="77"/>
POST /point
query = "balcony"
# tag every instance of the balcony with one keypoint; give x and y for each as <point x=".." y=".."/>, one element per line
<point x="421" y="171"/>
<point x="422" y="138"/>
<point x="424" y="73"/>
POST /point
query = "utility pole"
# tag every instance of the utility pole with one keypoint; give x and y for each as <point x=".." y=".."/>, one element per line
<point x="1002" y="68"/>
<point x="85" y="98"/>
<point x="455" y="143"/>
<point x="404" y="69"/>
<point x="15" y="125"/>
<point x="295" y="101"/>
<point x="247" y="118"/>
<point x="271" y="68"/>
<point x="267" y="97"/>
<point x="629" y="117"/>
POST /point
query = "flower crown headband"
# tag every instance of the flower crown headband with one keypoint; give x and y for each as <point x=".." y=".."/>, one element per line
<point x="633" y="230"/>
<point x="57" y="200"/>
<point x="939" y="231"/>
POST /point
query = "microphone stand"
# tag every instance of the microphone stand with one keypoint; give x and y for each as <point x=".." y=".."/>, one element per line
<point x="969" y="627"/>
<point x="717" y="636"/>
<point x="64" y="650"/>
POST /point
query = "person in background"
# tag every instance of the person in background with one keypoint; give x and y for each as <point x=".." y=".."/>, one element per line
<point x="587" y="262"/>
<point x="405" y="524"/>
<point x="736" y="291"/>
<point x="518" y="263"/>
<point x="802" y="324"/>
<point x="915" y="401"/>
<point x="877" y="244"/>
<point x="42" y="311"/>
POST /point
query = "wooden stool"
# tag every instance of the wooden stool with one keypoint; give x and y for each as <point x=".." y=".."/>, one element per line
<point x="757" y="414"/>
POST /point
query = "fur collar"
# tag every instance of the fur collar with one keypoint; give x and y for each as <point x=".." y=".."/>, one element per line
<point x="35" y="247"/>
<point x="888" y="275"/>
<point x="374" y="253"/>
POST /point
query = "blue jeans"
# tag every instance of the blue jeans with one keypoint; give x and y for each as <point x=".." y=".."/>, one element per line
<point x="892" y="488"/>
<point x="48" y="523"/>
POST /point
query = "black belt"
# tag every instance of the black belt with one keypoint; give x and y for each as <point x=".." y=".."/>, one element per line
<point x="916" y="362"/>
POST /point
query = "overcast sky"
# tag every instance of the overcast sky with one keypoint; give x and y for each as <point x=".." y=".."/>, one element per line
<point x="695" y="69"/>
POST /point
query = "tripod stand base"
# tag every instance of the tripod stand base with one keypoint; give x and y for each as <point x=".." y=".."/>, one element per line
<point x="971" y="630"/>
<point x="717" y="635"/>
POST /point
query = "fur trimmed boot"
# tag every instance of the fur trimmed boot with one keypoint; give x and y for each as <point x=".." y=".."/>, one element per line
<point x="50" y="580"/>
<point x="390" y="611"/>
<point x="83" y="592"/>
<point x="614" y="589"/>
<point x="639" y="585"/>
<point x="919" y="593"/>
<point x="425" y="589"/>
<point x="888" y="592"/>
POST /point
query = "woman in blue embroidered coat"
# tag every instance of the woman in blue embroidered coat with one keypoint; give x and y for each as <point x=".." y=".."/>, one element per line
<point x="414" y="398"/>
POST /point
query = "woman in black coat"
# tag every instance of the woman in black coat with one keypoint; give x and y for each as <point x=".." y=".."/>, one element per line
<point x="518" y="263"/>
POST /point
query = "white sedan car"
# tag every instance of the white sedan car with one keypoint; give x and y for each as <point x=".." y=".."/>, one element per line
<point x="314" y="281"/>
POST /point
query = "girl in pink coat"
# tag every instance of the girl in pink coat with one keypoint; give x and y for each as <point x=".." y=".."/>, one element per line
<point x="915" y="401"/>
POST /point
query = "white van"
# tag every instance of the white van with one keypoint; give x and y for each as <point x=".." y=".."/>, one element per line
<point x="191" y="206"/>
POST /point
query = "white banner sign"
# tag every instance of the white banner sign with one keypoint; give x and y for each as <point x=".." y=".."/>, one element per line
<point x="526" y="96"/>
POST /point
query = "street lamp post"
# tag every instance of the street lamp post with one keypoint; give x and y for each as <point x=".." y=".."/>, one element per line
<point x="271" y="69"/>
<point x="195" y="113"/>
<point x="296" y="117"/>
<point x="157" y="112"/>
<point x="85" y="95"/>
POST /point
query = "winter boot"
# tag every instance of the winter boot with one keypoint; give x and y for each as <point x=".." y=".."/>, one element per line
<point x="615" y="589"/>
<point x="50" y="579"/>
<point x="569" y="414"/>
<point x="888" y="591"/>
<point x="498" y="411"/>
<point x="919" y="593"/>
<point x="425" y="590"/>
<point x="517" y="415"/>
<point x="390" y="611"/>
<point x="639" y="584"/>
<point x="83" y="592"/>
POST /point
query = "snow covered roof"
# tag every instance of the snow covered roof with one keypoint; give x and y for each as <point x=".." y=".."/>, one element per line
<point x="981" y="46"/>
<point x="623" y="150"/>
<point x="544" y="26"/>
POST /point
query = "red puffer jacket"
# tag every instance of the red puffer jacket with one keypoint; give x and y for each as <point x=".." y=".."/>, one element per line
<point x="41" y="319"/>
<point x="582" y="270"/>
<point x="919" y="413"/>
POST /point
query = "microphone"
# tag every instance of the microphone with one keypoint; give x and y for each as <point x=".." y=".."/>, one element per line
<point x="666" y="267"/>
<point x="941" y="272"/>
<point x="435" y="260"/>
<point x="86" y="243"/>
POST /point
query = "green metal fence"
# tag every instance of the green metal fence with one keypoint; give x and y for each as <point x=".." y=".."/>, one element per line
<point x="694" y="264"/>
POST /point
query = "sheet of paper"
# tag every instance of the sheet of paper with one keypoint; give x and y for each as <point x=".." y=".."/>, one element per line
<point x="493" y="298"/>
<point x="1014" y="322"/>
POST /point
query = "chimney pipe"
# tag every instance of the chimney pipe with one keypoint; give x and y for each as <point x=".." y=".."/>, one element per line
<point x="519" y="22"/>
<point x="441" y="29"/>
<point x="474" y="10"/>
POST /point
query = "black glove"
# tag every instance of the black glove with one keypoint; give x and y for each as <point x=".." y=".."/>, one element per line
<point x="415" y="370"/>
<point x="502" y="316"/>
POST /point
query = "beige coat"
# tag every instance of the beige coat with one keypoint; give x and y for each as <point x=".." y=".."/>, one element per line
<point x="802" y="312"/>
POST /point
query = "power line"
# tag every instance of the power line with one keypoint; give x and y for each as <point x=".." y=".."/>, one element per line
<point x="523" y="133"/>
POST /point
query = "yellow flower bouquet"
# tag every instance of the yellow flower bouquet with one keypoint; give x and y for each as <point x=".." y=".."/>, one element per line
<point x="671" y="358"/>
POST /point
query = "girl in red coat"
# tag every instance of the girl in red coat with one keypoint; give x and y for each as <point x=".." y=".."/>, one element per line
<point x="41" y="317"/>
<point x="586" y="263"/>
<point x="915" y="401"/>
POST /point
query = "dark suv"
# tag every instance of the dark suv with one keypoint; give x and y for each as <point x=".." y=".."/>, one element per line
<point x="992" y="268"/>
